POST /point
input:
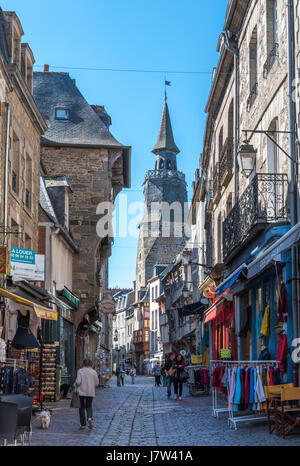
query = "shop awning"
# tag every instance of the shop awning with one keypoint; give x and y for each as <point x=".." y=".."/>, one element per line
<point x="60" y="303"/>
<point x="211" y="312"/>
<point x="41" y="311"/>
<point x="291" y="238"/>
<point x="230" y="280"/>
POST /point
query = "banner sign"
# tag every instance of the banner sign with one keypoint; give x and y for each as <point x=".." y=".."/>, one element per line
<point x="25" y="263"/>
<point x="3" y="260"/>
<point x="225" y="353"/>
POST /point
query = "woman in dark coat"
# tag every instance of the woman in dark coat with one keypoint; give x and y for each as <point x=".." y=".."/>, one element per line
<point x="179" y="376"/>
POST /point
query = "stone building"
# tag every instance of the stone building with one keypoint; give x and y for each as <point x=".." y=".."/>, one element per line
<point x="246" y="181"/>
<point x="21" y="126"/>
<point x="79" y="145"/>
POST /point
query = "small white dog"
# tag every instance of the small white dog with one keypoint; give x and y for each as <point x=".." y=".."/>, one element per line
<point x="45" y="416"/>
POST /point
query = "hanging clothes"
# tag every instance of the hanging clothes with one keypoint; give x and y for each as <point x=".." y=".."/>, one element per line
<point x="265" y="331"/>
<point x="258" y="323"/>
<point x="24" y="338"/>
<point x="251" y="389"/>
<point x="246" y="323"/>
<point x="282" y="352"/>
<point x="215" y="379"/>
<point x="282" y="310"/>
<point x="232" y="388"/>
<point x="271" y="375"/>
<point x="247" y="388"/>
<point x="259" y="388"/>
<point x="242" y="401"/>
<point x="238" y="391"/>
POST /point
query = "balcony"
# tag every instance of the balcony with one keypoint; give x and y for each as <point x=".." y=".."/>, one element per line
<point x="264" y="201"/>
<point x="165" y="174"/>
<point x="226" y="162"/>
<point x="270" y="60"/>
<point x="216" y="183"/>
<point x="252" y="96"/>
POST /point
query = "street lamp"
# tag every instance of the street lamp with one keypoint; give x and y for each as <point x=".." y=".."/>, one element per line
<point x="247" y="156"/>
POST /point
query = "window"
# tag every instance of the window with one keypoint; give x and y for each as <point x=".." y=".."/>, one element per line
<point x="272" y="35"/>
<point x="14" y="238"/>
<point x="169" y="165"/>
<point x="15" y="164"/>
<point x="61" y="113"/>
<point x="27" y="241"/>
<point x="28" y="182"/>
<point x="161" y="164"/>
<point x="253" y="86"/>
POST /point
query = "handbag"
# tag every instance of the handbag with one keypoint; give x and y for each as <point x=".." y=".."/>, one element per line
<point x="75" y="400"/>
<point x="171" y="372"/>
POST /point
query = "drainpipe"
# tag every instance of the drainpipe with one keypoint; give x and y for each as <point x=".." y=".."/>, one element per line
<point x="292" y="172"/>
<point x="235" y="115"/>
<point x="5" y="197"/>
<point x="5" y="219"/>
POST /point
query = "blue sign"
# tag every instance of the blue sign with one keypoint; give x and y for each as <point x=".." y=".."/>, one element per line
<point x="25" y="256"/>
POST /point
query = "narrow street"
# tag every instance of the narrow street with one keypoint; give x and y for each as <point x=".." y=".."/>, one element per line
<point x="141" y="415"/>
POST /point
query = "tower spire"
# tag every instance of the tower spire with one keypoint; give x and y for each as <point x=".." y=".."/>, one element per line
<point x="165" y="140"/>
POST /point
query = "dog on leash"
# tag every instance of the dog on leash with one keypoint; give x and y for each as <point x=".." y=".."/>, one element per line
<point x="45" y="417"/>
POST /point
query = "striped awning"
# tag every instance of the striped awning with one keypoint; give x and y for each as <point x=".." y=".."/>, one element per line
<point x="41" y="311"/>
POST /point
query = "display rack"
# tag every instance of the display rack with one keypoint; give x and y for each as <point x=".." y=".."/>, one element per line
<point x="235" y="417"/>
<point x="48" y="372"/>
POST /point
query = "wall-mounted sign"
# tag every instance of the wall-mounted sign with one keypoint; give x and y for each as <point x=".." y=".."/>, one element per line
<point x="25" y="263"/>
<point x="70" y="297"/>
<point x="3" y="260"/>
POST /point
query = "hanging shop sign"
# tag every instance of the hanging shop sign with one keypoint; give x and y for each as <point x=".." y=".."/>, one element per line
<point x="26" y="264"/>
<point x="225" y="353"/>
<point x="196" y="359"/>
<point x="3" y="260"/>
<point x="107" y="306"/>
<point x="182" y="352"/>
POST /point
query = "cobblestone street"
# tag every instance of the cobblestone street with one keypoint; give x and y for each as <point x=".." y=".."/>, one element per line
<point x="141" y="414"/>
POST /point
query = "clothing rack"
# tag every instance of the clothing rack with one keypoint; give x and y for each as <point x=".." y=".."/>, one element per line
<point x="15" y="363"/>
<point x="234" y="420"/>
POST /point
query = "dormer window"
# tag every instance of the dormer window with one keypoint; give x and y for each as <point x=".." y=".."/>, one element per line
<point x="61" y="113"/>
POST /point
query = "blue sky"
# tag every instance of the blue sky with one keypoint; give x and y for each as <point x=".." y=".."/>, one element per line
<point x="141" y="35"/>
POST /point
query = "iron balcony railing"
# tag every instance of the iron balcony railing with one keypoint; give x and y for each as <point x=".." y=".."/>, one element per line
<point x="264" y="201"/>
<point x="252" y="96"/>
<point x="165" y="174"/>
<point x="226" y="161"/>
<point x="271" y="59"/>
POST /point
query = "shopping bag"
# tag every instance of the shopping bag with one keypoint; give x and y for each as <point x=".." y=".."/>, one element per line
<point x="75" y="400"/>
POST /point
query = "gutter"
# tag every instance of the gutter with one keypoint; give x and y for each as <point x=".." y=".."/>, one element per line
<point x="5" y="207"/>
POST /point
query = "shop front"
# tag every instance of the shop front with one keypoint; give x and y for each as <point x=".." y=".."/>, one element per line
<point x="29" y="365"/>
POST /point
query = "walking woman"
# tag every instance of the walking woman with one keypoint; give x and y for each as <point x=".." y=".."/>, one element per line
<point x="169" y="371"/>
<point x="86" y="382"/>
<point x="179" y="377"/>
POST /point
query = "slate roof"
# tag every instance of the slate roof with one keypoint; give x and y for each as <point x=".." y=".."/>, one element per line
<point x="83" y="126"/>
<point x="165" y="140"/>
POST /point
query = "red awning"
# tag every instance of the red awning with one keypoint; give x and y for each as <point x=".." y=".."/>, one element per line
<point x="211" y="312"/>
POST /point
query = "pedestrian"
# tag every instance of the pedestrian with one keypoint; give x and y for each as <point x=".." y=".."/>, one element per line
<point x="157" y="374"/>
<point x="121" y="375"/>
<point x="179" y="377"/>
<point x="169" y="370"/>
<point x="86" y="382"/>
<point x="132" y="374"/>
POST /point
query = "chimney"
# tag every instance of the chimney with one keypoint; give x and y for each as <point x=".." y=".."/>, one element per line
<point x="46" y="68"/>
